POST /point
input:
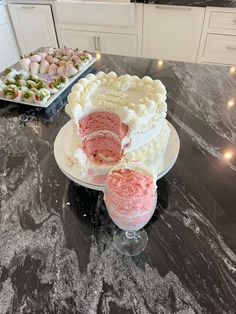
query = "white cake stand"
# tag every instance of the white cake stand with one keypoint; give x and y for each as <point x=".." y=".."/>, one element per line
<point x="62" y="146"/>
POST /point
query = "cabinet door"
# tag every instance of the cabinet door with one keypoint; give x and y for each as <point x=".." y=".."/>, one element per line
<point x="117" y="44"/>
<point x="78" y="39"/>
<point x="9" y="54"/>
<point x="172" y="32"/>
<point x="33" y="26"/>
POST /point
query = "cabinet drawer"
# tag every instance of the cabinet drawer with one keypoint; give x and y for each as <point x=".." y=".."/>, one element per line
<point x="223" y="20"/>
<point x="3" y="14"/>
<point x="96" y="13"/>
<point x="220" y="49"/>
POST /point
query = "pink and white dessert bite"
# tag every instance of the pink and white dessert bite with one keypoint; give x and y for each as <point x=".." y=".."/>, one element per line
<point x="130" y="197"/>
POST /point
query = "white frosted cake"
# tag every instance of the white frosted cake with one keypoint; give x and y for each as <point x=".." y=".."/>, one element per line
<point x="116" y="119"/>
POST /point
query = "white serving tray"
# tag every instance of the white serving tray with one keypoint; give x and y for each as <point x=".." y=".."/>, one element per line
<point x="43" y="76"/>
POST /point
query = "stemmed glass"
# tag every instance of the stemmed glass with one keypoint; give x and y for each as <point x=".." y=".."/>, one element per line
<point x="130" y="238"/>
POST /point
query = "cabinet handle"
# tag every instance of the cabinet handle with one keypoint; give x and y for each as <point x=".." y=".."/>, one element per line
<point x="95" y="44"/>
<point x="173" y="8"/>
<point x="99" y="47"/>
<point x="231" y="48"/>
<point x="27" y="7"/>
<point x="234" y="21"/>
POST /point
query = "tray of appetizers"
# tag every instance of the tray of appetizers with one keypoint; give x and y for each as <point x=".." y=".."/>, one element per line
<point x="38" y="79"/>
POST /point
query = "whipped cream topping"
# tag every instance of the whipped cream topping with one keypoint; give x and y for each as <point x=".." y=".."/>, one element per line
<point x="139" y="102"/>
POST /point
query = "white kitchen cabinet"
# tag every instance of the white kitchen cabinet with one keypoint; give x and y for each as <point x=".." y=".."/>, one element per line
<point x="79" y="39"/>
<point x="33" y="26"/>
<point x="172" y="32"/>
<point x="117" y="44"/>
<point x="218" y="42"/>
<point x="113" y="28"/>
<point x="9" y="53"/>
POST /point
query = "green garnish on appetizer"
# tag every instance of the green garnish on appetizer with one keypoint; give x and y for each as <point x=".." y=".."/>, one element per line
<point x="30" y="84"/>
<point x="41" y="84"/>
<point x="33" y="77"/>
<point x="7" y="71"/>
<point x="10" y="93"/>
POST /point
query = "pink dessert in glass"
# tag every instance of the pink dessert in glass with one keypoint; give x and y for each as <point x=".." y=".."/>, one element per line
<point x="130" y="197"/>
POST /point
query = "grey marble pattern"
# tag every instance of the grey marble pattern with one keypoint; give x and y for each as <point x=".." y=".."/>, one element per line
<point x="196" y="3"/>
<point x="56" y="253"/>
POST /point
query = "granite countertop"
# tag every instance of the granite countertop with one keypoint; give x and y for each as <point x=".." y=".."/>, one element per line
<point x="56" y="253"/>
<point x="196" y="3"/>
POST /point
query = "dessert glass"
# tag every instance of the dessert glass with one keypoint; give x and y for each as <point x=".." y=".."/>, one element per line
<point x="130" y="239"/>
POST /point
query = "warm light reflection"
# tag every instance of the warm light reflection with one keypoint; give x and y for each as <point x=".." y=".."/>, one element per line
<point x="228" y="154"/>
<point x="232" y="70"/>
<point x="98" y="56"/>
<point x="230" y="103"/>
<point x="160" y="63"/>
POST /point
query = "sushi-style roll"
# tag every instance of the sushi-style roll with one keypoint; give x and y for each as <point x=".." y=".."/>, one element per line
<point x="33" y="77"/>
<point x="30" y="84"/>
<point x="52" y="69"/>
<point x="9" y="72"/>
<point x="20" y="82"/>
<point x="41" y="84"/>
<point x="61" y="70"/>
<point x="70" y="70"/>
<point x="49" y="50"/>
<point x="13" y="86"/>
<point x="18" y="76"/>
<point x="25" y="63"/>
<point x="42" y="96"/>
<point x="2" y="86"/>
<point x="61" y="82"/>
<point x="11" y="93"/>
<point x="9" y="81"/>
<point x="24" y="88"/>
<point x="27" y="96"/>
<point x="44" y="66"/>
<point x="52" y="87"/>
<point x="23" y="74"/>
<point x="35" y="58"/>
<point x="34" y="67"/>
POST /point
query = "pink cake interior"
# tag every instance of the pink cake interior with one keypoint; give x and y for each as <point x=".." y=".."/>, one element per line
<point x="129" y="191"/>
<point x="102" y="134"/>
<point x="102" y="121"/>
<point x="103" y="148"/>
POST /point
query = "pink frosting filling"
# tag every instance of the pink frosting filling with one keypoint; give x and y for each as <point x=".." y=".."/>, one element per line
<point x="129" y="192"/>
<point x="102" y="121"/>
<point x="103" y="148"/>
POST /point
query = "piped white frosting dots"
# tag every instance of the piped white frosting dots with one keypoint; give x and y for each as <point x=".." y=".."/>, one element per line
<point x="117" y="118"/>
